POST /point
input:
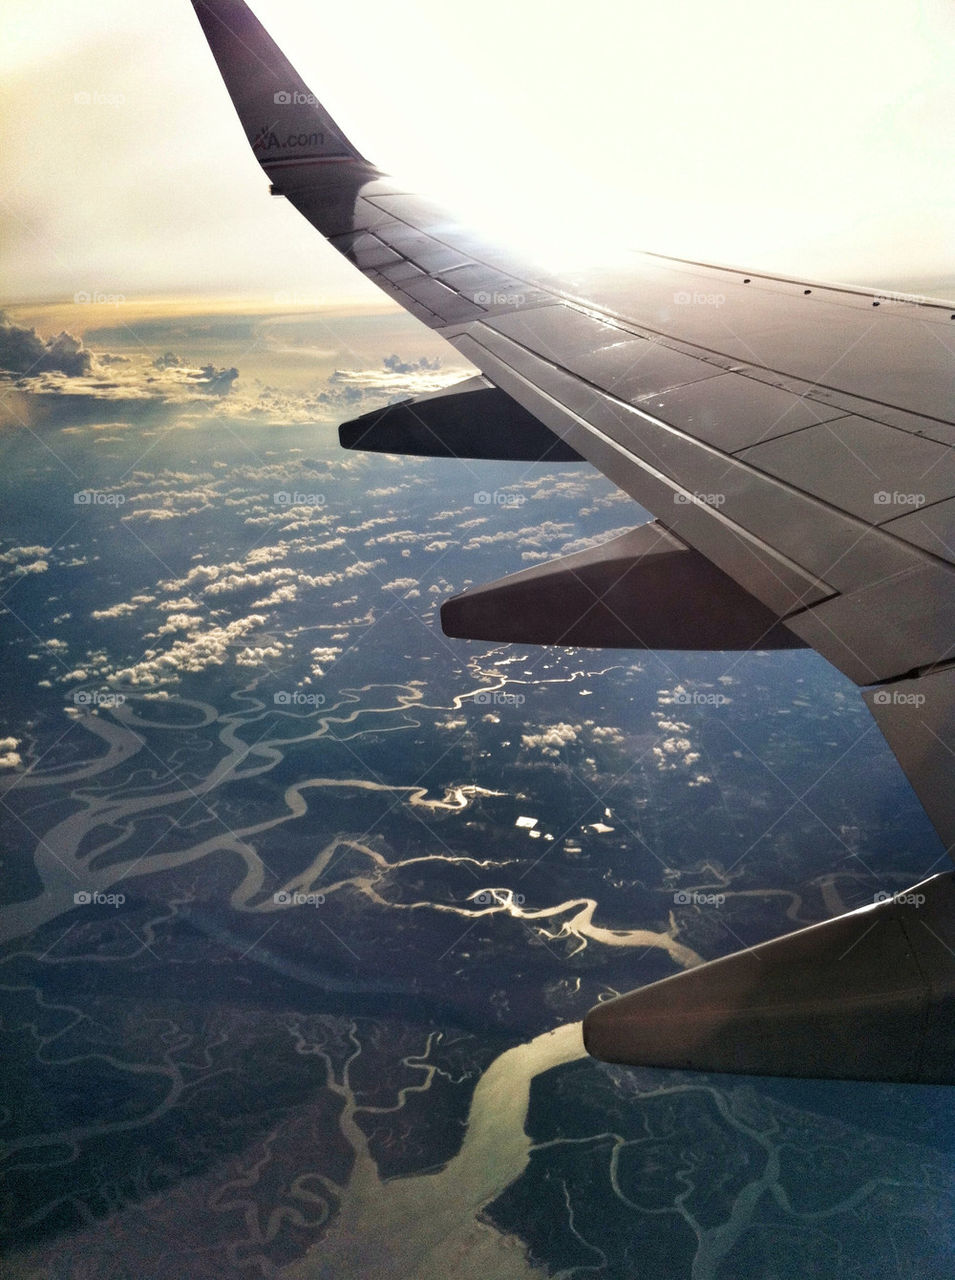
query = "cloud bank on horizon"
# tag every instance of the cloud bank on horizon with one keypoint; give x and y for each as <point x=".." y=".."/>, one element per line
<point x="42" y="370"/>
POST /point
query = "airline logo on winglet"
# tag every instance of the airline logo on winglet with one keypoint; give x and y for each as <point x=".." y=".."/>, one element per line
<point x="268" y="140"/>
<point x="293" y="131"/>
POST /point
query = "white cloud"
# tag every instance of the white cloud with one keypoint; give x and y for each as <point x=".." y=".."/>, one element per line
<point x="204" y="647"/>
<point x="177" y="622"/>
<point x="116" y="610"/>
<point x="671" y="726"/>
<point x="257" y="657"/>
<point x="584" y="544"/>
<point x="608" y="734"/>
<point x="281" y="595"/>
<point x="323" y="657"/>
<point x="531" y="536"/>
<point x="552" y="740"/>
<point x="22" y="553"/>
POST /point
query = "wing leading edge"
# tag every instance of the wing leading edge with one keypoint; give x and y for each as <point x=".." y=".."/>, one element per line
<point x="793" y="439"/>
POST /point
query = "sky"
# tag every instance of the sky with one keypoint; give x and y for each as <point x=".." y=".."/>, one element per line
<point x="814" y="140"/>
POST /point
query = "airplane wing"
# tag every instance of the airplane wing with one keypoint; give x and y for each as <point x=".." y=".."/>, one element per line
<point x="794" y="442"/>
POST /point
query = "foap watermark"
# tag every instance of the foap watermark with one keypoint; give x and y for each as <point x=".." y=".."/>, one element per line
<point x="882" y="498"/>
<point x="97" y="298"/>
<point x="685" y="699"/>
<point x="684" y="298"/>
<point x="296" y="698"/>
<point x="97" y="498"/>
<point x="98" y="698"/>
<point x="499" y="498"/>
<point x="484" y="298"/>
<point x="890" y="299"/>
<point x="96" y="98"/>
<point x="296" y="898"/>
<point x="293" y="498"/>
<point x="93" y="898"/>
<point x="488" y="897"/>
<point x="897" y="698"/>
<point x="686" y="898"/>
<point x="682" y="499"/>
<point x="294" y="98"/>
<point x="498" y="698"/>
<point x="904" y="899"/>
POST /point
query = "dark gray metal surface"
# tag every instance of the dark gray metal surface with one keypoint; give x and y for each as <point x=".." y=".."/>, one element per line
<point x="856" y="464"/>
<point x="930" y="527"/>
<point x="733" y="411"/>
<point x="898" y="353"/>
<point x="610" y="357"/>
<point x="898" y="624"/>
<point x="866" y="996"/>
<point x="472" y="419"/>
<point x="642" y="590"/>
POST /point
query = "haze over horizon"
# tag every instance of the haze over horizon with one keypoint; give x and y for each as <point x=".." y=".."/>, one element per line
<point x="125" y="171"/>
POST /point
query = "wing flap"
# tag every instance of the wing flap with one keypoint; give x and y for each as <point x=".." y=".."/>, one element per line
<point x="735" y="410"/>
<point x="870" y="470"/>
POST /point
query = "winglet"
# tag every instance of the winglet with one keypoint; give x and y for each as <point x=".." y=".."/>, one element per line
<point x="286" y="125"/>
